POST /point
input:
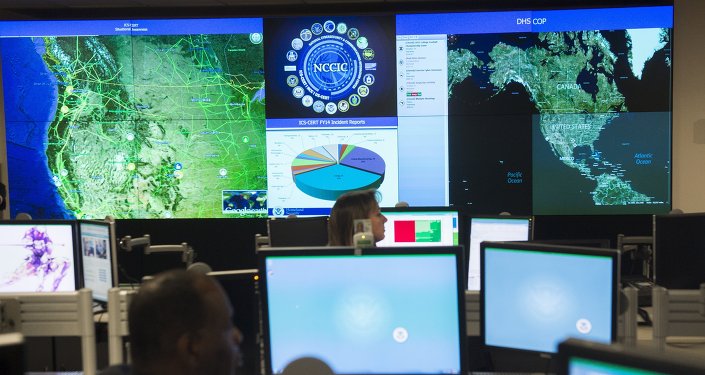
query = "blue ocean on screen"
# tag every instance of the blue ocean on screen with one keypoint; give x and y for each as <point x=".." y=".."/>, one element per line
<point x="29" y="110"/>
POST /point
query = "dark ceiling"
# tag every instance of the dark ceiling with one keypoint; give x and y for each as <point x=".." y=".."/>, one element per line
<point x="81" y="9"/>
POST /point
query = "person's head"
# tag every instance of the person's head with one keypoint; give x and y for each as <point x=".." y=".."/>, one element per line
<point x="352" y="206"/>
<point x="181" y="323"/>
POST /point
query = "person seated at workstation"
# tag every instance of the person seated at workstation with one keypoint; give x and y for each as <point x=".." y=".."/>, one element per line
<point x="351" y="206"/>
<point x="181" y="324"/>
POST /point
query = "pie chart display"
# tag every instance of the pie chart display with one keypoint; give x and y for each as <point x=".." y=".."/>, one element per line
<point x="326" y="172"/>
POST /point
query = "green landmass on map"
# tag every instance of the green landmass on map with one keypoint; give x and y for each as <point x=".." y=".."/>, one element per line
<point x="156" y="126"/>
<point x="569" y="117"/>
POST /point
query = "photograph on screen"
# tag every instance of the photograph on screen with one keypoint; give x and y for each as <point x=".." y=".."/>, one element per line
<point x="133" y="118"/>
<point x="534" y="295"/>
<point x="420" y="227"/>
<point x="384" y="312"/>
<point x="37" y="257"/>
<point x="97" y="268"/>
<point x="493" y="228"/>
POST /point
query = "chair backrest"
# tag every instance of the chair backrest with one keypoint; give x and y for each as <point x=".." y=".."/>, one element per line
<point x="472" y="312"/>
<point x="56" y="314"/>
<point x="118" y="305"/>
<point x="678" y="312"/>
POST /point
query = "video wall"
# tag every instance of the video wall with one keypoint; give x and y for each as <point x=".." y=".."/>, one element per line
<point x="531" y="112"/>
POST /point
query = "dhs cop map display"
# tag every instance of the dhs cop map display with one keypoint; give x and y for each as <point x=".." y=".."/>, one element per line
<point x="531" y="112"/>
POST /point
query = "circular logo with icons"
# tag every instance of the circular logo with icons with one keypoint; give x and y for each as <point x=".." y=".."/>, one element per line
<point x="332" y="67"/>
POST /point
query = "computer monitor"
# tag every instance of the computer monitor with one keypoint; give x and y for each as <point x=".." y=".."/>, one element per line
<point x="679" y="250"/>
<point x="382" y="311"/>
<point x="579" y="357"/>
<point x="98" y="258"/>
<point x="420" y="227"/>
<point x="38" y="256"/>
<point x="12" y="354"/>
<point x="241" y="288"/>
<point x="298" y="231"/>
<point x="493" y="228"/>
<point x="534" y="296"/>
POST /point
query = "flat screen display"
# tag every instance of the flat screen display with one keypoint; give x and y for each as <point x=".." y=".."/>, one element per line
<point x="534" y="297"/>
<point x="97" y="258"/>
<point x="381" y="313"/>
<point x="499" y="228"/>
<point x="679" y="250"/>
<point x="37" y="256"/>
<point x="544" y="112"/>
<point x="421" y="227"/>
<point x="581" y="357"/>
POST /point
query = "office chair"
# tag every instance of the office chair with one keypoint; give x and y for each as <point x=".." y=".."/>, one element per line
<point x="118" y="305"/>
<point x="41" y="314"/>
<point x="678" y="312"/>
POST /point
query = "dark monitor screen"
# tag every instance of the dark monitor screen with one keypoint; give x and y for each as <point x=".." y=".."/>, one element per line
<point x="493" y="228"/>
<point x="241" y="288"/>
<point x="98" y="258"/>
<point x="386" y="311"/>
<point x="679" y="250"/>
<point x="534" y="296"/>
<point x="579" y="357"/>
<point x="12" y="354"/>
<point x="535" y="111"/>
<point x="420" y="227"/>
<point x="38" y="256"/>
<point x="298" y="231"/>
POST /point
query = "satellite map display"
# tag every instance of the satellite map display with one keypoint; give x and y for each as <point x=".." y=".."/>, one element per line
<point x="564" y="122"/>
<point x="147" y="126"/>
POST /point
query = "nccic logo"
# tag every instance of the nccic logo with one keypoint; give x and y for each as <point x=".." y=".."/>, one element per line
<point x="331" y="67"/>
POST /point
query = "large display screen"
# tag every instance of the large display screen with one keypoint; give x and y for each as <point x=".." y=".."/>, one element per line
<point x="37" y="257"/>
<point x="544" y="112"/>
<point x="368" y="314"/>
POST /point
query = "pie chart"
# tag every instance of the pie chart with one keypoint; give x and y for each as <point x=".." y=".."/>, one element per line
<point x="326" y="172"/>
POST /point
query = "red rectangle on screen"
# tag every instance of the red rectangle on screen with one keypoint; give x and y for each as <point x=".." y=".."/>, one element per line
<point x="405" y="231"/>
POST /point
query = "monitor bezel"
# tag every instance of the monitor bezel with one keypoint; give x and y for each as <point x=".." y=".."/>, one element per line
<point x="74" y="238"/>
<point x="614" y="255"/>
<point x="113" y="254"/>
<point x="649" y="360"/>
<point x="457" y="251"/>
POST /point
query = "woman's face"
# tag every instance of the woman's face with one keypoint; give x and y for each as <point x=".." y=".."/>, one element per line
<point x="378" y="221"/>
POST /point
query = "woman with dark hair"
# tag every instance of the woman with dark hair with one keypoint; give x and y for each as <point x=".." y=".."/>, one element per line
<point x="352" y="206"/>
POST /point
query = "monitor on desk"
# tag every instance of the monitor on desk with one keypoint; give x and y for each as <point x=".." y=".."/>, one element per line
<point x="241" y="288"/>
<point x="384" y="311"/>
<point x="98" y="258"/>
<point x="679" y="250"/>
<point x="534" y="296"/>
<point x="411" y="226"/>
<point x="493" y="228"/>
<point x="579" y="357"/>
<point x="298" y="231"/>
<point x="38" y="256"/>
